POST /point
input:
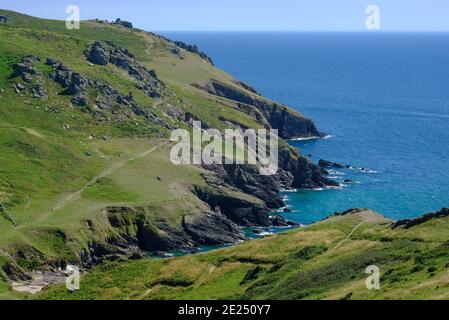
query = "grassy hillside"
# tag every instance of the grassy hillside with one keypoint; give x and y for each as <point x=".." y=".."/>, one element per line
<point x="85" y="178"/>
<point x="324" y="261"/>
<point x="60" y="166"/>
<point x="84" y="152"/>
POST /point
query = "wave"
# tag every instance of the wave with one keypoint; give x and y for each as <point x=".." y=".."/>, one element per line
<point x="289" y="190"/>
<point x="265" y="233"/>
<point x="311" y="138"/>
<point x="305" y="138"/>
<point x="363" y="170"/>
<point x="336" y="173"/>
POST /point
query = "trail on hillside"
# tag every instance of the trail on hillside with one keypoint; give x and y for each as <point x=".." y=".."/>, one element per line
<point x="77" y="194"/>
<point x="7" y="215"/>
<point x="367" y="218"/>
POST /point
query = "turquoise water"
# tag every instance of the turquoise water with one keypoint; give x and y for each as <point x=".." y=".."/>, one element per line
<point x="383" y="98"/>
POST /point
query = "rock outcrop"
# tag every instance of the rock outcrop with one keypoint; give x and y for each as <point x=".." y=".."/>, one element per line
<point x="104" y="53"/>
<point x="289" y="123"/>
<point x="4" y="18"/>
<point x="329" y="164"/>
<point x="123" y="23"/>
<point x="242" y="211"/>
<point x="280" y="221"/>
<point x="208" y="228"/>
<point x="74" y="83"/>
<point x="299" y="172"/>
<point x="39" y="91"/>
<point x="108" y="103"/>
<point x="25" y="69"/>
<point x="194" y="49"/>
<point x="409" y="223"/>
<point x="98" y="55"/>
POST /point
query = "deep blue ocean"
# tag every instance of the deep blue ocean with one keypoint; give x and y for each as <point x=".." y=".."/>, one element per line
<point x="382" y="97"/>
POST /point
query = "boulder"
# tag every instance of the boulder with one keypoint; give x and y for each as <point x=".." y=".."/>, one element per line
<point x="98" y="55"/>
<point x="79" y="99"/>
<point x="39" y="92"/>
<point x="123" y="23"/>
<point x="19" y="87"/>
<point x="278" y="221"/>
<point x="77" y="84"/>
<point x="25" y="68"/>
<point x="329" y="164"/>
<point x="4" y="18"/>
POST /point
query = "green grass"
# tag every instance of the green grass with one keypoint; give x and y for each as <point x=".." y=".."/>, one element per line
<point x="42" y="163"/>
<point x="311" y="263"/>
<point x="43" y="166"/>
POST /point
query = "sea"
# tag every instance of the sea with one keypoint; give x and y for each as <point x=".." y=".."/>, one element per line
<point x="382" y="99"/>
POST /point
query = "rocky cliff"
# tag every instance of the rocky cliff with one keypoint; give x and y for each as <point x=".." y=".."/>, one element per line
<point x="289" y="123"/>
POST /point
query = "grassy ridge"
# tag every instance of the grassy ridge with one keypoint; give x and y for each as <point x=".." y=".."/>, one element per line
<point x="317" y="262"/>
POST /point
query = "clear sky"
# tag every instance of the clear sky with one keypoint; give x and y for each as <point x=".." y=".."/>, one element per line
<point x="250" y="15"/>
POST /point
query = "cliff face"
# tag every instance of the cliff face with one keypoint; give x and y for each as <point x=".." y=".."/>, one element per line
<point x="289" y="123"/>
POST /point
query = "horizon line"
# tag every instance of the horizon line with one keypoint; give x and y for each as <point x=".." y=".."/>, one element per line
<point x="247" y="31"/>
<point x="307" y="31"/>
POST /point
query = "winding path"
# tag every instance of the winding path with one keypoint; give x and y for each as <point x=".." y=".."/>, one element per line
<point x="77" y="194"/>
<point x="367" y="218"/>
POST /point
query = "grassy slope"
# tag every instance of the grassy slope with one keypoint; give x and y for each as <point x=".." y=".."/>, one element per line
<point x="42" y="163"/>
<point x="317" y="262"/>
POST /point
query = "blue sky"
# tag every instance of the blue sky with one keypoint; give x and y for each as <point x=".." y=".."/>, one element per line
<point x="250" y="15"/>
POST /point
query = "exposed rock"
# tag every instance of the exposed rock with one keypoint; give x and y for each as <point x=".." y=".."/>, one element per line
<point x="329" y="164"/>
<point x="108" y="52"/>
<point x="289" y="123"/>
<point x="98" y="55"/>
<point x="303" y="173"/>
<point x="4" y="18"/>
<point x="74" y="83"/>
<point x="79" y="99"/>
<point x="26" y="69"/>
<point x="349" y="211"/>
<point x="247" y="87"/>
<point x="211" y="229"/>
<point x="205" y="228"/>
<point x="194" y="49"/>
<point x="123" y="23"/>
<point x="278" y="221"/>
<point x="247" y="179"/>
<point x="14" y="272"/>
<point x="39" y="92"/>
<point x="408" y="223"/>
<point x="77" y="84"/>
<point x="19" y="87"/>
<point x="52" y="62"/>
<point x="244" y="212"/>
<point x="61" y="73"/>
<point x="177" y="52"/>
